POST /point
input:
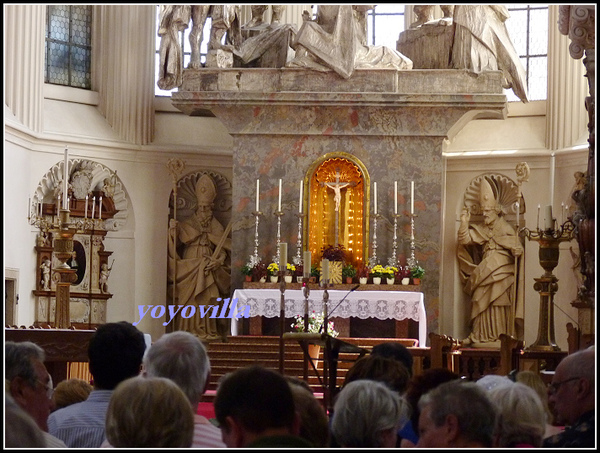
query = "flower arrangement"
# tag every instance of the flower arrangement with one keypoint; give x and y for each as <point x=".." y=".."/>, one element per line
<point x="391" y="271"/>
<point x="299" y="270"/>
<point x="403" y="272"/>
<point x="379" y="271"/>
<point x="290" y="269"/>
<point x="417" y="271"/>
<point x="273" y="269"/>
<point x="315" y="272"/>
<point x="333" y="253"/>
<point x="348" y="271"/>
<point x="363" y="272"/>
<point x="259" y="271"/>
<point x="247" y="270"/>
<point x="315" y="324"/>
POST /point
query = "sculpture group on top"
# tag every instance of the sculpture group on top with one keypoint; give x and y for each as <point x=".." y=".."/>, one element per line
<point x="336" y="40"/>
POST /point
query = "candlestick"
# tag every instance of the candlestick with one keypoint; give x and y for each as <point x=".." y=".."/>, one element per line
<point x="100" y="208"/>
<point x="86" y="203"/>
<point x="301" y="193"/>
<point x="552" y="174"/>
<point x="257" y="194"/>
<point x="283" y="257"/>
<point x="279" y="204"/>
<point x="66" y="179"/>
<point x="93" y="205"/>
<point x="28" y="208"/>
<point x="412" y="197"/>
<point x="548" y="220"/>
<point x="375" y="198"/>
<point x="395" y="197"/>
<point x="538" y="217"/>
<point x="306" y="264"/>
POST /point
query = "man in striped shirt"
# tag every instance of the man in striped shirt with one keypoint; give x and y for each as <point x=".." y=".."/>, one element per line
<point x="181" y="357"/>
<point x="115" y="354"/>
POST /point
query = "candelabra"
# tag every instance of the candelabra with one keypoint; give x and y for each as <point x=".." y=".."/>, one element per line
<point x="549" y="240"/>
<point x="412" y="261"/>
<point x="254" y="259"/>
<point x="279" y="214"/>
<point x="373" y="259"/>
<point x="298" y="258"/>
<point x="393" y="260"/>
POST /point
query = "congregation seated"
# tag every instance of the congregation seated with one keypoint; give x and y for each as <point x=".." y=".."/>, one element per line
<point x="255" y="407"/>
<point x="20" y="429"/>
<point x="149" y="412"/>
<point x="396" y="351"/>
<point x="70" y="391"/>
<point x="314" y="423"/>
<point x="368" y="414"/>
<point x="115" y="353"/>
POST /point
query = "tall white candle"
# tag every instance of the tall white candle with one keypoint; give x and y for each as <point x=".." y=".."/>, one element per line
<point x="306" y="264"/>
<point x="548" y="220"/>
<point x="538" y="217"/>
<point x="100" y="207"/>
<point x="325" y="270"/>
<point x="28" y="208"/>
<point x="257" y="194"/>
<point x="41" y="207"/>
<point x="283" y="257"/>
<point x="552" y="174"/>
<point x="66" y="179"/>
<point x="301" y="193"/>
<point x="375" y="197"/>
<point x="279" y="204"/>
<point x="395" y="197"/>
<point x="412" y="197"/>
<point x="86" y="203"/>
<point x="93" y="205"/>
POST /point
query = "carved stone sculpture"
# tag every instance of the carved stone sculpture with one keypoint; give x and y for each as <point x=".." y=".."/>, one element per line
<point x="487" y="255"/>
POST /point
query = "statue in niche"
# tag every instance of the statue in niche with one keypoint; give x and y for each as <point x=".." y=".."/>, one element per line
<point x="488" y="262"/>
<point x="45" y="266"/>
<point x="173" y="19"/>
<point x="103" y="280"/>
<point x="200" y="271"/>
<point x="336" y="40"/>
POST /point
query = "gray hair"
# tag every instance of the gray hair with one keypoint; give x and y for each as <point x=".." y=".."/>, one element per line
<point x="521" y="416"/>
<point x="363" y="410"/>
<point x="181" y="357"/>
<point x="470" y="404"/>
<point x="18" y="360"/>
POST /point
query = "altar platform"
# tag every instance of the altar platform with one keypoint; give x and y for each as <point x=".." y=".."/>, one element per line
<point x="360" y="302"/>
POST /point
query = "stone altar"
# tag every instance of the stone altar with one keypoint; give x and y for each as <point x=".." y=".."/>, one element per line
<point x="392" y="122"/>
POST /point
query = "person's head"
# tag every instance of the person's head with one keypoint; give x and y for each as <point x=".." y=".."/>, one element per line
<point x="149" y="412"/>
<point x="521" y="418"/>
<point x="572" y="391"/>
<point x="421" y="384"/>
<point x="456" y="414"/>
<point x="488" y="204"/>
<point x="492" y="381"/>
<point x="115" y="353"/>
<point x="71" y="391"/>
<point x="377" y="368"/>
<point x="368" y="413"/>
<point x="181" y="357"/>
<point x="20" y="429"/>
<point x="253" y="402"/>
<point x="396" y="351"/>
<point x="534" y="380"/>
<point x="314" y="425"/>
<point x="28" y="380"/>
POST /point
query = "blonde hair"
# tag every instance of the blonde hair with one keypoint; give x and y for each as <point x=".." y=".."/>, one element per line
<point x="534" y="380"/>
<point x="71" y="391"/>
<point x="149" y="412"/>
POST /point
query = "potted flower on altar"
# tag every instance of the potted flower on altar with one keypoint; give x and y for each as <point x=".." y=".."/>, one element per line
<point x="417" y="272"/>
<point x="289" y="272"/>
<point x="299" y="272"/>
<point x="348" y="273"/>
<point x="391" y="274"/>
<point x="315" y="274"/>
<point x="259" y="272"/>
<point x="247" y="271"/>
<point x="363" y="275"/>
<point x="403" y="275"/>
<point x="315" y="324"/>
<point x="273" y="271"/>
<point x="378" y="272"/>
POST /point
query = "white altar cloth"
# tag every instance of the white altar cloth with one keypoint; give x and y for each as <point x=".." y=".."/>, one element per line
<point x="397" y="305"/>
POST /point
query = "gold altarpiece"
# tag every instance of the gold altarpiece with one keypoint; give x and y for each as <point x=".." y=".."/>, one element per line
<point x="350" y="221"/>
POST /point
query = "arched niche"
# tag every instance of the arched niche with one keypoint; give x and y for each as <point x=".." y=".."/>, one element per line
<point x="351" y="220"/>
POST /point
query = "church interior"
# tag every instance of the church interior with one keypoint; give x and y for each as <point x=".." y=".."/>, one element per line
<point x="169" y="197"/>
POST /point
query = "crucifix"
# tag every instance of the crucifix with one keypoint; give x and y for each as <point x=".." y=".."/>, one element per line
<point x="337" y="187"/>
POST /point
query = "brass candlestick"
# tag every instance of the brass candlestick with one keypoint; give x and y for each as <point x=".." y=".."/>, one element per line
<point x="63" y="250"/>
<point x="549" y="240"/>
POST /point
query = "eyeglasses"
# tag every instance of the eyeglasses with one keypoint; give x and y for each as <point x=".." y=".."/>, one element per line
<point x="48" y="388"/>
<point x="553" y="387"/>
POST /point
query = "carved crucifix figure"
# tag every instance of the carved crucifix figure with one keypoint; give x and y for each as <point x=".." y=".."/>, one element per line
<point x="337" y="187"/>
